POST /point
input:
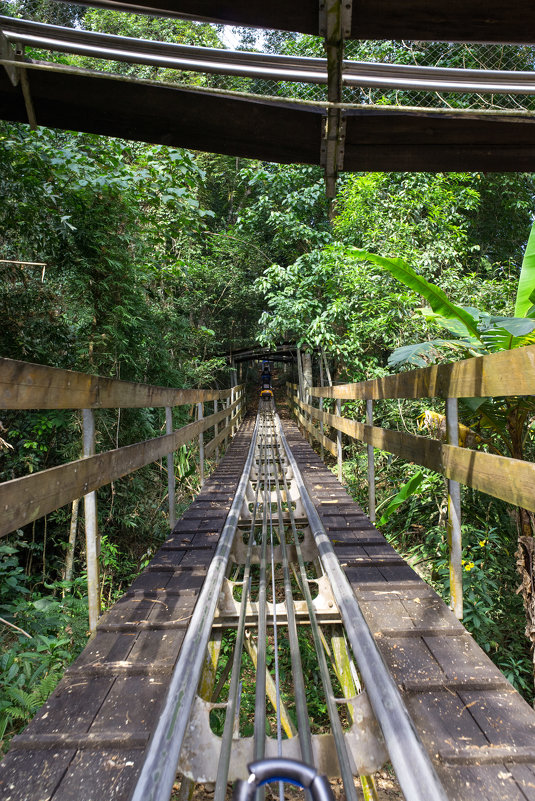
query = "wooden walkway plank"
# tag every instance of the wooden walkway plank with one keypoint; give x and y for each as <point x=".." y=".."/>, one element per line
<point x="477" y="729"/>
<point x="113" y="692"/>
<point x="89" y="739"/>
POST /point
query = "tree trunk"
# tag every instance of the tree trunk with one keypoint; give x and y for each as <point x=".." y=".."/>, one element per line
<point x="69" y="559"/>
<point x="307" y="374"/>
<point x="525" y="555"/>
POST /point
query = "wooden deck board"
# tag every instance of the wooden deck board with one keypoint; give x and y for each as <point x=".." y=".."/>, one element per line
<point x="477" y="729"/>
<point x="114" y="690"/>
<point x="89" y="739"/>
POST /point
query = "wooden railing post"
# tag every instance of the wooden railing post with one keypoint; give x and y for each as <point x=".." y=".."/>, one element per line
<point x="216" y="431"/>
<point x="170" y="469"/>
<point x="200" y="415"/>
<point x="91" y="527"/>
<point x="339" y="441"/>
<point x="454" y="516"/>
<point x="371" y="465"/>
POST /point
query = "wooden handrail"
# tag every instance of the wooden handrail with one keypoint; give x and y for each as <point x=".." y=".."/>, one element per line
<point x="510" y="372"/>
<point x="511" y="480"/>
<point x="25" y="499"/>
<point x="35" y="386"/>
<point x="327" y="443"/>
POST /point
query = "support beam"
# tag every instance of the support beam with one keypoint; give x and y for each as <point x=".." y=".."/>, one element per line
<point x="454" y="516"/>
<point x="335" y="26"/>
<point x="170" y="469"/>
<point x="200" y="415"/>
<point x="91" y="527"/>
<point x="371" y="465"/>
<point x="8" y="54"/>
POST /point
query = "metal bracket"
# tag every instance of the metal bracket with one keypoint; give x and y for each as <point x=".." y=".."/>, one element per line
<point x="7" y="53"/>
<point x="199" y="756"/>
<point x="332" y="148"/>
<point x="228" y="609"/>
<point x="335" y="26"/>
<point x="18" y="74"/>
<point x="343" y="9"/>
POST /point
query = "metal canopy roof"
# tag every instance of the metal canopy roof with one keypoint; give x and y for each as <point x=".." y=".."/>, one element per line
<point x="383" y="139"/>
<point x="428" y="20"/>
<point x="336" y="135"/>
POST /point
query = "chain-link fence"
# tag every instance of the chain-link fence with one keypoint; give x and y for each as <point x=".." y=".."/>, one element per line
<point x="513" y="58"/>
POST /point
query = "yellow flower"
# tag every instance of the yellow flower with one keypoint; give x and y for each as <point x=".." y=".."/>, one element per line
<point x="469" y="566"/>
<point x="482" y="543"/>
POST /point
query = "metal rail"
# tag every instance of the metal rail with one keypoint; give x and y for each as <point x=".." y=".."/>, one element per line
<point x="273" y="497"/>
<point x="159" y="769"/>
<point x="412" y="765"/>
<point x="262" y="65"/>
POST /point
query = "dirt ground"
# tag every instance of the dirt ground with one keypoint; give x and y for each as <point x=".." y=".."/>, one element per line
<point x="387" y="790"/>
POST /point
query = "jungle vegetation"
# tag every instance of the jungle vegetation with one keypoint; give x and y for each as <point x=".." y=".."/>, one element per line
<point x="155" y="262"/>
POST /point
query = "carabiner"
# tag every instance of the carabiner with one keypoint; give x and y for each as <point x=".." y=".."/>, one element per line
<point x="278" y="769"/>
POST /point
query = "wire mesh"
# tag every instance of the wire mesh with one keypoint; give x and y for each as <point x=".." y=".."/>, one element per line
<point x="512" y="58"/>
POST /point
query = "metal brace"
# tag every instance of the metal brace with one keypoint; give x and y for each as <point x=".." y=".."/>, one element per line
<point x="332" y="148"/>
<point x="342" y="9"/>
<point x="18" y="75"/>
<point x="335" y="26"/>
<point x="324" y="603"/>
<point x="200" y="753"/>
<point x="7" y="53"/>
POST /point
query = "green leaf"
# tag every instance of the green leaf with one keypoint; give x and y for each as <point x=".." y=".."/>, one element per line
<point x="526" y="283"/>
<point x="508" y="333"/>
<point x="405" y="492"/>
<point x="413" y="354"/>
<point x="437" y="299"/>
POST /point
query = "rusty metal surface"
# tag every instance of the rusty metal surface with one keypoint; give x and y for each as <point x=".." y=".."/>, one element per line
<point x="283" y="131"/>
<point x="458" y="20"/>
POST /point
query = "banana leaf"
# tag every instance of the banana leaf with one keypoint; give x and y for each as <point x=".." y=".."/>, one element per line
<point x="438" y="300"/>
<point x="526" y="283"/>
<point x="420" y="354"/>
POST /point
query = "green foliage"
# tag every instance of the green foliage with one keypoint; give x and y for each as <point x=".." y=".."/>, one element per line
<point x="439" y="301"/>
<point x="328" y="299"/>
<point x="493" y="611"/>
<point x="40" y="634"/>
<point x="525" y="300"/>
<point x="405" y="492"/>
<point x="475" y="331"/>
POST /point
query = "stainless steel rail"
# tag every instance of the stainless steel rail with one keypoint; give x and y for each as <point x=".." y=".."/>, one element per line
<point x="414" y="771"/>
<point x="262" y="65"/>
<point x="159" y="769"/>
<point x="274" y="541"/>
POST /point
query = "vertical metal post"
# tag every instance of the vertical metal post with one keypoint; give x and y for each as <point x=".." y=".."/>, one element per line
<point x="170" y="469"/>
<point x="371" y="465"/>
<point x="454" y="517"/>
<point x="200" y="415"/>
<point x="300" y="374"/>
<point x="227" y="422"/>
<point x="322" y="429"/>
<point x="216" y="431"/>
<point x="339" y="441"/>
<point x="91" y="527"/>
